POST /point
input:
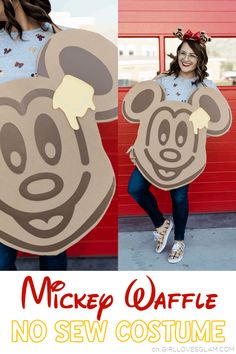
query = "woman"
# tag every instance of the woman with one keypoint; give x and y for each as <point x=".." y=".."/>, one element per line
<point x="25" y="28"/>
<point x="188" y="71"/>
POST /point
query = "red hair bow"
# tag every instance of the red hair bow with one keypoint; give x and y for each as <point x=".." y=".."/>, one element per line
<point x="189" y="35"/>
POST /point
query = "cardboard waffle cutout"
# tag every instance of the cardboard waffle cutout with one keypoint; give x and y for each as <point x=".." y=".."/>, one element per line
<point x="56" y="179"/>
<point x="170" y="148"/>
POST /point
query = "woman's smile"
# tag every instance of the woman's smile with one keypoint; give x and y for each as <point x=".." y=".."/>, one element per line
<point x="186" y="64"/>
<point x="187" y="60"/>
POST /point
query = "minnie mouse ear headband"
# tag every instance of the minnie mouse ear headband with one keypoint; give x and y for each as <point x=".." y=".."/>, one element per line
<point x="199" y="37"/>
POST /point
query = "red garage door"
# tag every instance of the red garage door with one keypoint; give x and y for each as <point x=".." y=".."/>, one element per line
<point x="145" y="28"/>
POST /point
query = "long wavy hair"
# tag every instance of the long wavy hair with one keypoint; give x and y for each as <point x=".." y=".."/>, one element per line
<point x="38" y="10"/>
<point x="201" y="68"/>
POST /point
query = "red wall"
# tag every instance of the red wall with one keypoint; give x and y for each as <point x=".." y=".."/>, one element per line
<point x="215" y="189"/>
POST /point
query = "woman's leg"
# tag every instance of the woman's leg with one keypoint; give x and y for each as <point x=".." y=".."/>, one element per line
<point x="180" y="214"/>
<point x="180" y="211"/>
<point x="139" y="189"/>
<point x="7" y="257"/>
<point x="58" y="262"/>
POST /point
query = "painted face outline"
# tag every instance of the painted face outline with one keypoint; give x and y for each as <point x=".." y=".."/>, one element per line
<point x="106" y="111"/>
<point x="157" y="167"/>
<point x="214" y="104"/>
<point x="23" y="218"/>
<point x="96" y="213"/>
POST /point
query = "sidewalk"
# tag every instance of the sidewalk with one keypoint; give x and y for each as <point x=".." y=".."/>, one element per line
<point x="210" y="244"/>
<point x="74" y="263"/>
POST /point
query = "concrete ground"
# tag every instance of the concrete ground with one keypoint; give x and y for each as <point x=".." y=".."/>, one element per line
<point x="74" y="263"/>
<point x="210" y="244"/>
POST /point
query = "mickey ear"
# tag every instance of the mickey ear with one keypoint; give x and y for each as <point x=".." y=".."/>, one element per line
<point x="214" y="103"/>
<point x="141" y="101"/>
<point x="89" y="57"/>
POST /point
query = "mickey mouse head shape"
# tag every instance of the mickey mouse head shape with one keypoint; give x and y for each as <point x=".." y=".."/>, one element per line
<point x="56" y="179"/>
<point x="170" y="148"/>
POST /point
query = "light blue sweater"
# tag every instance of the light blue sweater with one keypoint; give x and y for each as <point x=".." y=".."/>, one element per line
<point x="180" y="89"/>
<point x="18" y="58"/>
